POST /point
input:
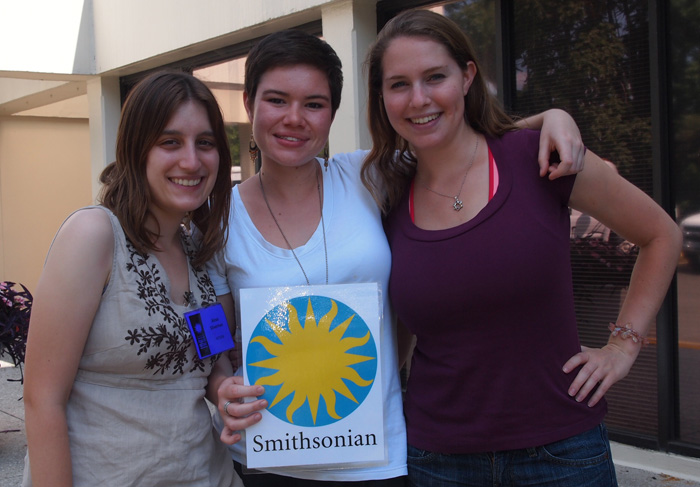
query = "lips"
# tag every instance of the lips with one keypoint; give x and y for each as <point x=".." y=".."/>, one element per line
<point x="186" y="182"/>
<point x="425" y="119"/>
<point x="290" y="138"/>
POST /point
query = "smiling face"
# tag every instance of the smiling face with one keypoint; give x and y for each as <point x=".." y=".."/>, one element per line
<point x="181" y="167"/>
<point x="291" y="114"/>
<point x="423" y="92"/>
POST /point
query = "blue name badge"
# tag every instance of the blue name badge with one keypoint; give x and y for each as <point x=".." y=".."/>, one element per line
<point x="209" y="330"/>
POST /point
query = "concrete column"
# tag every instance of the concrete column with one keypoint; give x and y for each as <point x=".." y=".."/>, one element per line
<point x="104" y="110"/>
<point x="350" y="26"/>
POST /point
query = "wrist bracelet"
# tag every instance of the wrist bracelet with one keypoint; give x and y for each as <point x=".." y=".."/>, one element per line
<point x="626" y="332"/>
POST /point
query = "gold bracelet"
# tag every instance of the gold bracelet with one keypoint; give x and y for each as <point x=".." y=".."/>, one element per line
<point x="626" y="332"/>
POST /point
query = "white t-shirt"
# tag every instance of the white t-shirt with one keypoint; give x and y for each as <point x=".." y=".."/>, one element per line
<point x="357" y="252"/>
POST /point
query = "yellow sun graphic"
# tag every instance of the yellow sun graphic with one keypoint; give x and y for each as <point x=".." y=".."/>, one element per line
<point x="312" y="361"/>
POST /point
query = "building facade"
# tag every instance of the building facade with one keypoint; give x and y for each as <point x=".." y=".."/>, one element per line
<point x="627" y="70"/>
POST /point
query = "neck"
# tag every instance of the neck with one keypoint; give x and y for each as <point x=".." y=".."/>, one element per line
<point x="168" y="231"/>
<point x="445" y="161"/>
<point x="290" y="183"/>
<point x="303" y="206"/>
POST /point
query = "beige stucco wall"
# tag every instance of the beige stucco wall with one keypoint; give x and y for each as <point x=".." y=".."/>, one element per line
<point x="64" y="69"/>
<point x="77" y="37"/>
<point x="44" y="175"/>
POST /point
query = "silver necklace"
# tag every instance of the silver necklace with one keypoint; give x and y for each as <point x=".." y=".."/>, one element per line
<point x="458" y="203"/>
<point x="323" y="226"/>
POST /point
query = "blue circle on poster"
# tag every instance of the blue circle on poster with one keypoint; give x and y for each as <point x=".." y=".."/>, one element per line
<point x="316" y="358"/>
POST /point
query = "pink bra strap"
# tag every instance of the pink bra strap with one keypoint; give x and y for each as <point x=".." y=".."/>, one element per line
<point x="493" y="186"/>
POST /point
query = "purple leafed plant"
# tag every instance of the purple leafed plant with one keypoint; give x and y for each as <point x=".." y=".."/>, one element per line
<point x="15" y="308"/>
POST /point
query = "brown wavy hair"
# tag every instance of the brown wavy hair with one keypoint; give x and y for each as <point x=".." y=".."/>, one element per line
<point x="391" y="164"/>
<point x="145" y="114"/>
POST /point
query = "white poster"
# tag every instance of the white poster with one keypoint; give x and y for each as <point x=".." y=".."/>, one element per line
<point x="316" y="351"/>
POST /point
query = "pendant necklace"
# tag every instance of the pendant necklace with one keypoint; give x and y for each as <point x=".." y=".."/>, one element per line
<point x="458" y="203"/>
<point x="323" y="226"/>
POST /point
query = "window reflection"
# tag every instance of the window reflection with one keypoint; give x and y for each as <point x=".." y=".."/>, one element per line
<point x="684" y="78"/>
<point x="591" y="59"/>
<point x="689" y="331"/>
<point x="225" y="80"/>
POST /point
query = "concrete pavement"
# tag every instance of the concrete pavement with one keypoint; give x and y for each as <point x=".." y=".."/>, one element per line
<point x="635" y="467"/>
<point x="13" y="443"/>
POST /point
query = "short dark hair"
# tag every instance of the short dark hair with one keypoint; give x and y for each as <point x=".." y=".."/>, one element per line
<point x="292" y="48"/>
<point x="145" y="114"/>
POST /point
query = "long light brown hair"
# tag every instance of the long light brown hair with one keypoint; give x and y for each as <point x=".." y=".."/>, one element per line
<point x="390" y="165"/>
<point x="145" y="114"/>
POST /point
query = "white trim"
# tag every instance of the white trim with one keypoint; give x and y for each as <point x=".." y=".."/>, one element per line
<point x="657" y="462"/>
<point x="104" y="105"/>
<point x="350" y="26"/>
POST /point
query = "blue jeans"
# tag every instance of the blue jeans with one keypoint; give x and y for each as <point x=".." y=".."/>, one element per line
<point x="580" y="461"/>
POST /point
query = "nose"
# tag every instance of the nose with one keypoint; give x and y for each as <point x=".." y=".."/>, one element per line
<point x="293" y="115"/>
<point x="419" y="96"/>
<point x="190" y="157"/>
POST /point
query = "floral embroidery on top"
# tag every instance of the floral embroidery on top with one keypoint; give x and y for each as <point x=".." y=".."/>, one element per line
<point x="172" y="332"/>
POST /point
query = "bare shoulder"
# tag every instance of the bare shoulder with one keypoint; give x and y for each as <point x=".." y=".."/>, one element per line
<point x="92" y="220"/>
<point x="86" y="237"/>
<point x="89" y="225"/>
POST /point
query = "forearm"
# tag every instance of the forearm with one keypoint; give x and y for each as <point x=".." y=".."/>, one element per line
<point x="601" y="368"/>
<point x="220" y="372"/>
<point x="532" y="122"/>
<point x="652" y="274"/>
<point x="48" y="445"/>
<point x="223" y="367"/>
<point x="624" y="208"/>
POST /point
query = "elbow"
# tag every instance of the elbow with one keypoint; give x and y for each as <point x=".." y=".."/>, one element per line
<point x="675" y="238"/>
<point x="665" y="243"/>
<point x="669" y="242"/>
<point x="42" y="411"/>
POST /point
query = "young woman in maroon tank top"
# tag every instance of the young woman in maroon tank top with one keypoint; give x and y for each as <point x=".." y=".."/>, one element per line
<point x="500" y="391"/>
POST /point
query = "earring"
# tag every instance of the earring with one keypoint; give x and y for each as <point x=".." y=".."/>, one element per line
<point x="186" y="222"/>
<point x="253" y="150"/>
<point x="325" y="157"/>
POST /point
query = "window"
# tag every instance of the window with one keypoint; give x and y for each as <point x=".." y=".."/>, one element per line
<point x="684" y="64"/>
<point x="592" y="59"/>
<point x="225" y="80"/>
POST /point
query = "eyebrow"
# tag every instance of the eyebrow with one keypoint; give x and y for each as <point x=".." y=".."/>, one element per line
<point x="177" y="132"/>
<point x="284" y="93"/>
<point x="424" y="72"/>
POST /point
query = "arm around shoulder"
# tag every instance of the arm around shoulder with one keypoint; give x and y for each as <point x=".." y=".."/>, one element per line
<point x="558" y="131"/>
<point x="65" y="302"/>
